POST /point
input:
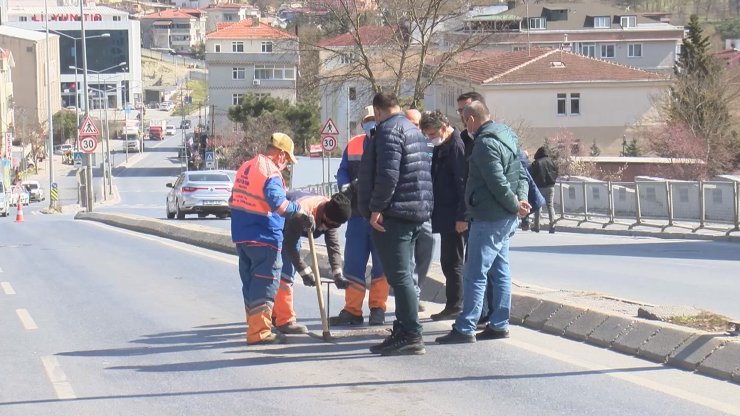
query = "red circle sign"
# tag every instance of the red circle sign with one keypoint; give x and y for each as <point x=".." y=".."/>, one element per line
<point x="88" y="144"/>
<point x="329" y="143"/>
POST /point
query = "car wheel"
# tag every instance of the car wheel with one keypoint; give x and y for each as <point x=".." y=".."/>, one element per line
<point x="170" y="215"/>
<point x="180" y="215"/>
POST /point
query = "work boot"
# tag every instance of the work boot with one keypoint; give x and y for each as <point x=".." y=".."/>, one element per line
<point x="345" y="318"/>
<point x="273" y="338"/>
<point x="405" y="344"/>
<point x="377" y="316"/>
<point x="292" y="328"/>
<point x="390" y="339"/>
<point x="490" y="333"/>
<point x="455" y="337"/>
<point x="446" y="314"/>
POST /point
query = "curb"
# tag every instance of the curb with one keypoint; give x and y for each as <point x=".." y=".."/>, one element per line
<point x="645" y="233"/>
<point x="706" y="353"/>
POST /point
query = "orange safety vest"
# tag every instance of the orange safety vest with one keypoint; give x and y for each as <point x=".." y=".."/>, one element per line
<point x="355" y="147"/>
<point x="310" y="203"/>
<point x="248" y="193"/>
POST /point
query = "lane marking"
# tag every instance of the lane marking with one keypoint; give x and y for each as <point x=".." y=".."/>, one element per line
<point x="7" y="288"/>
<point x="26" y="319"/>
<point x="659" y="387"/>
<point x="58" y="379"/>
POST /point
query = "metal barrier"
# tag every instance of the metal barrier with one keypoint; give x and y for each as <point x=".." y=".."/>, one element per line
<point x="326" y="188"/>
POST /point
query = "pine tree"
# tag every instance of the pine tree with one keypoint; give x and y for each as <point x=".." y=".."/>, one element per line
<point x="595" y="151"/>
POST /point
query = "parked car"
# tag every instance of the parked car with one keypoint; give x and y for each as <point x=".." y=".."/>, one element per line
<point x="17" y="192"/>
<point x="185" y="124"/>
<point x="166" y="106"/>
<point x="36" y="192"/>
<point x="170" y="130"/>
<point x="132" y="142"/>
<point x="4" y="201"/>
<point x="199" y="192"/>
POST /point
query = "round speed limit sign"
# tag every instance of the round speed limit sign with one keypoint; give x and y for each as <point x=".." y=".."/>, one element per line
<point x="88" y="144"/>
<point x="329" y="143"/>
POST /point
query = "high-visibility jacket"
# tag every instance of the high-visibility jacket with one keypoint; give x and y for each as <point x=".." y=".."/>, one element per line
<point x="349" y="167"/>
<point x="258" y="204"/>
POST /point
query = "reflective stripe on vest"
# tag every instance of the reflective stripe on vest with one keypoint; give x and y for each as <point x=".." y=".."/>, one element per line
<point x="248" y="193"/>
<point x="310" y="203"/>
<point x="355" y="147"/>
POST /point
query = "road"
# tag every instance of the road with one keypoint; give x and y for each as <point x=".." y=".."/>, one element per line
<point x="96" y="317"/>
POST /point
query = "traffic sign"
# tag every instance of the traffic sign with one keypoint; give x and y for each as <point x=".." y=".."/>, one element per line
<point x="88" y="128"/>
<point x="54" y="185"/>
<point x="209" y="157"/>
<point x="88" y="144"/>
<point x="330" y="128"/>
<point x="78" y="159"/>
<point x="329" y="143"/>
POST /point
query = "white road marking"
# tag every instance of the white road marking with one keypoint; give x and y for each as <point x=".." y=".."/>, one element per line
<point x="57" y="377"/>
<point x="26" y="319"/>
<point x="7" y="288"/>
<point x="640" y="381"/>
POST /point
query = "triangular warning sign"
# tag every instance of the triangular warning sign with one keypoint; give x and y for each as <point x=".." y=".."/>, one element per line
<point x="330" y="128"/>
<point x="88" y="127"/>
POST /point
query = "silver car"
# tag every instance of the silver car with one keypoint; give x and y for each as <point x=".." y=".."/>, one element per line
<point x="199" y="192"/>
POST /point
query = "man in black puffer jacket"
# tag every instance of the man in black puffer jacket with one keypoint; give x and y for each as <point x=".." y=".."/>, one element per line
<point x="395" y="192"/>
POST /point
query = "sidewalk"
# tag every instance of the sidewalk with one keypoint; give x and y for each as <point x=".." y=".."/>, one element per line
<point x="597" y="319"/>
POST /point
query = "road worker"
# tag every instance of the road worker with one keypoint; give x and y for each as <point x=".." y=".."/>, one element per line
<point x="329" y="214"/>
<point x="358" y="247"/>
<point x="259" y="207"/>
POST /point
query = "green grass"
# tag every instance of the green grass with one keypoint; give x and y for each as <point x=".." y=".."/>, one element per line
<point x="198" y="91"/>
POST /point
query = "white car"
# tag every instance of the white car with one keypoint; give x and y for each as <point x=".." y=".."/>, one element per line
<point x="19" y="192"/>
<point x="170" y="130"/>
<point x="4" y="201"/>
<point x="35" y="190"/>
<point x="166" y="106"/>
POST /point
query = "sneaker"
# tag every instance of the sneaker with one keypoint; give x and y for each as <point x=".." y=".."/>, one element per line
<point x="490" y="333"/>
<point x="446" y="314"/>
<point x="454" y="337"/>
<point x="345" y="318"/>
<point x="390" y="339"/>
<point x="525" y="226"/>
<point x="273" y="338"/>
<point x="292" y="328"/>
<point x="377" y="316"/>
<point x="405" y="344"/>
<point x="536" y="230"/>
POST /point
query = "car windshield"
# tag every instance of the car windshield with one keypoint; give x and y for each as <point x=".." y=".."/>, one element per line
<point x="208" y="177"/>
<point x="31" y="186"/>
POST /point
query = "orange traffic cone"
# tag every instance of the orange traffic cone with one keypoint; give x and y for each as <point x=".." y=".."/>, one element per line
<point x="19" y="215"/>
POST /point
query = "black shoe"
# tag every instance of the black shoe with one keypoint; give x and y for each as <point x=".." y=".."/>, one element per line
<point x="552" y="230"/>
<point x="377" y="316"/>
<point x="345" y="318"/>
<point x="390" y="339"/>
<point x="490" y="333"/>
<point x="405" y="344"/>
<point x="525" y="226"/>
<point x="536" y="230"/>
<point x="482" y="322"/>
<point x="455" y="337"/>
<point x="446" y="314"/>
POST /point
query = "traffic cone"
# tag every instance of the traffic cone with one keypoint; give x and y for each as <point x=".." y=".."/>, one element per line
<point x="19" y="215"/>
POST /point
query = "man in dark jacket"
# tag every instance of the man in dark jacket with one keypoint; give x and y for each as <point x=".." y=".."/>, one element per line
<point x="448" y="216"/>
<point x="395" y="191"/>
<point x="495" y="194"/>
<point x="545" y="174"/>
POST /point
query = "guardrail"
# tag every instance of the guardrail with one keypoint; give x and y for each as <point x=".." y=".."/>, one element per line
<point x="326" y="188"/>
<point x="713" y="205"/>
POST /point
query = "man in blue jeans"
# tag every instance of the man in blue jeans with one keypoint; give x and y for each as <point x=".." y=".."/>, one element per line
<point x="496" y="193"/>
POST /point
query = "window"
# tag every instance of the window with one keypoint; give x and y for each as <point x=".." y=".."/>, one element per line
<point x="634" y="50"/>
<point x="116" y="18"/>
<point x="237" y="46"/>
<point x="217" y="48"/>
<point x="602" y="22"/>
<point x="607" y="51"/>
<point x="717" y="196"/>
<point x="628" y="21"/>
<point x="261" y="95"/>
<point x="561" y="105"/>
<point x="238" y="73"/>
<point x="345" y="58"/>
<point x="518" y="48"/>
<point x="236" y="99"/>
<point x="352" y="93"/>
<point x="274" y="72"/>
<point x="575" y="103"/>
<point x="537" y="23"/>
<point x="23" y="19"/>
<point x="266" y="47"/>
<point x="588" y="49"/>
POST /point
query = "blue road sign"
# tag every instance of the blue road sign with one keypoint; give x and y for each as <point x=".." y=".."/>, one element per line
<point x="78" y="159"/>
<point x="209" y="157"/>
<point x="54" y="185"/>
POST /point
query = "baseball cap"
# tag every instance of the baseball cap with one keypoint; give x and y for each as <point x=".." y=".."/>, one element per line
<point x="283" y="142"/>
<point x="369" y="113"/>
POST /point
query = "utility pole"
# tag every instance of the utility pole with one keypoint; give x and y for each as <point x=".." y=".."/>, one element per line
<point x="50" y="150"/>
<point x="88" y="158"/>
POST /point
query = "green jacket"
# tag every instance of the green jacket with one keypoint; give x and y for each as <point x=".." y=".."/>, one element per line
<point x="496" y="180"/>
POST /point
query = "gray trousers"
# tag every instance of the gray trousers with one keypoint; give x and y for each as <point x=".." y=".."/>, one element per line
<point x="549" y="194"/>
<point x="422" y="259"/>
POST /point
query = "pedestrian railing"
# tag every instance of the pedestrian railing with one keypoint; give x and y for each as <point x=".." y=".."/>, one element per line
<point x="326" y="188"/>
<point x="712" y="205"/>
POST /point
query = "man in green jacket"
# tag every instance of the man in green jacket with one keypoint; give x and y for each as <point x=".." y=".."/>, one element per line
<point x="496" y="195"/>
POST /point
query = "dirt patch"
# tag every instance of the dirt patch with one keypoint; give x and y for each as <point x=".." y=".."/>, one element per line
<point x="704" y="320"/>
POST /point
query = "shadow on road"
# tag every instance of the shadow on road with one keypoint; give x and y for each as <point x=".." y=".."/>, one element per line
<point x="695" y="250"/>
<point x="168" y="172"/>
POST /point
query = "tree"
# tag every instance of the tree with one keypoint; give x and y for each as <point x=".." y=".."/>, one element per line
<point x="631" y="149"/>
<point x="595" y="151"/>
<point x="65" y="125"/>
<point x="199" y="51"/>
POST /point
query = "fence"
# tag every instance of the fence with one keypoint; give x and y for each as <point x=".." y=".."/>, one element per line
<point x="326" y="189"/>
<point x="710" y="204"/>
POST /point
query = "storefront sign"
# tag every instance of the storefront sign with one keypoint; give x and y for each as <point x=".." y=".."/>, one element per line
<point x="68" y="17"/>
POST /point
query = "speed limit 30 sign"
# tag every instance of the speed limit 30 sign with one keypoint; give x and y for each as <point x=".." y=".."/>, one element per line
<point x="329" y="143"/>
<point x="88" y="144"/>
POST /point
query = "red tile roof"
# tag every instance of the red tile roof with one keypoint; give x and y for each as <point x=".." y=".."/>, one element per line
<point x="246" y="29"/>
<point x="544" y="66"/>
<point x="369" y="36"/>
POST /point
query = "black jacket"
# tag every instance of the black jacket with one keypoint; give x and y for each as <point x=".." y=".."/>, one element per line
<point x="449" y="169"/>
<point x="543" y="169"/>
<point x="395" y="173"/>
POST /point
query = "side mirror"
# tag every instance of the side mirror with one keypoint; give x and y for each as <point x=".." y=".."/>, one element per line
<point x="169" y="184"/>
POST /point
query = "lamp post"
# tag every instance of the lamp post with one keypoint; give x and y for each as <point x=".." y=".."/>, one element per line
<point x="50" y="149"/>
<point x="88" y="159"/>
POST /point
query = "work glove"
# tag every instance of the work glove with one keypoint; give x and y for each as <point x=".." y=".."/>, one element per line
<point x="308" y="279"/>
<point x="340" y="281"/>
<point x="308" y="224"/>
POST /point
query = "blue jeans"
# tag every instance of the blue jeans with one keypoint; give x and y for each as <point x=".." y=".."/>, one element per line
<point x="487" y="264"/>
<point x="422" y="260"/>
<point x="358" y="249"/>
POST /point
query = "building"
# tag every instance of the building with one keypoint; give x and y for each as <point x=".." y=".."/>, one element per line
<point x="229" y="13"/>
<point x="591" y="29"/>
<point x="6" y="100"/>
<point x="553" y="93"/>
<point x="179" y="30"/>
<point x="28" y="47"/>
<point x="248" y="57"/>
<point x="113" y="51"/>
